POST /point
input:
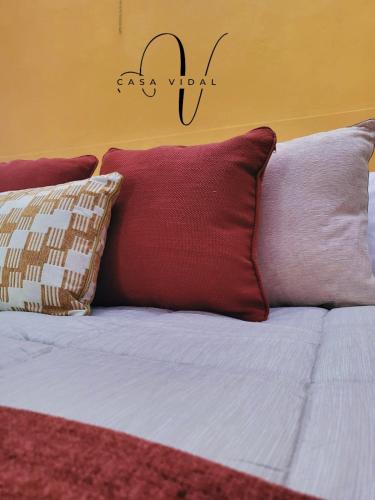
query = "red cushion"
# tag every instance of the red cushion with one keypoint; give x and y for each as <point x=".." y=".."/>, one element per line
<point x="27" y="174"/>
<point x="183" y="229"/>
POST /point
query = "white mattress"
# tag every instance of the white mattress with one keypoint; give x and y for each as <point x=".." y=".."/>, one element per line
<point x="291" y="399"/>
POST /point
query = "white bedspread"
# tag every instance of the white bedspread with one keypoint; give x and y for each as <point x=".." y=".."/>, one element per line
<point x="291" y="399"/>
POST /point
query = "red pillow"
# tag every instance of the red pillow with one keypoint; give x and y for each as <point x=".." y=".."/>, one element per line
<point x="184" y="227"/>
<point x="27" y="174"/>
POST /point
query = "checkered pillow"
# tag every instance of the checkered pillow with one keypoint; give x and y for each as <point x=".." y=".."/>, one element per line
<point x="51" y="242"/>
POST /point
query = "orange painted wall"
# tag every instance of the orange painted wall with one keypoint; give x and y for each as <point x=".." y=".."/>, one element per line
<point x="300" y="66"/>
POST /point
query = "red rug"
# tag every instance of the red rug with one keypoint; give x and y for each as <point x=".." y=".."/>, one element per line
<point x="44" y="457"/>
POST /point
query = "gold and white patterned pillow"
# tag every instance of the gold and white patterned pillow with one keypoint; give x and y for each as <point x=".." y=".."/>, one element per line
<point x="51" y="243"/>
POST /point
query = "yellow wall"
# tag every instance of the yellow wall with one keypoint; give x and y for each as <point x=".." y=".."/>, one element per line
<point x="298" y="65"/>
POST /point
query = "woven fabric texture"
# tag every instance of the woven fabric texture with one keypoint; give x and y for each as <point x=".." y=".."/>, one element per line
<point x="313" y="248"/>
<point x="184" y="227"/>
<point x="51" y="242"/>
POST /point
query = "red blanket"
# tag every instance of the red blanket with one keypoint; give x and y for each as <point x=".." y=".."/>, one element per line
<point x="44" y="457"/>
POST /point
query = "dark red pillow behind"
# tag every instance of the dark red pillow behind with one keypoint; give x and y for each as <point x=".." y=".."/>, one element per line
<point x="27" y="174"/>
<point x="183" y="229"/>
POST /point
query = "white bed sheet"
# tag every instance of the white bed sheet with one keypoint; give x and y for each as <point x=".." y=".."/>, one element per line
<point x="291" y="399"/>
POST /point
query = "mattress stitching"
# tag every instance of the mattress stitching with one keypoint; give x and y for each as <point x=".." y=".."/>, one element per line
<point x="28" y="357"/>
<point x="305" y="411"/>
<point x="262" y="374"/>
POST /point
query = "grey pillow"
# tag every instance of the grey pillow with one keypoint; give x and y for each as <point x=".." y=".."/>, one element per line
<point x="313" y="245"/>
<point x="371" y="217"/>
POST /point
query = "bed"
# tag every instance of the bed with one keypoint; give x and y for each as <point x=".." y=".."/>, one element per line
<point x="291" y="399"/>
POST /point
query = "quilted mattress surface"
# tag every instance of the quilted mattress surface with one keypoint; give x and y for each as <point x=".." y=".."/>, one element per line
<point x="291" y="399"/>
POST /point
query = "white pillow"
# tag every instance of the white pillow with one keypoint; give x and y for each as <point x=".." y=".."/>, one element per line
<point x="313" y="244"/>
<point x="371" y="217"/>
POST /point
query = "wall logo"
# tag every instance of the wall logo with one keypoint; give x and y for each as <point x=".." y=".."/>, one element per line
<point x="132" y="79"/>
